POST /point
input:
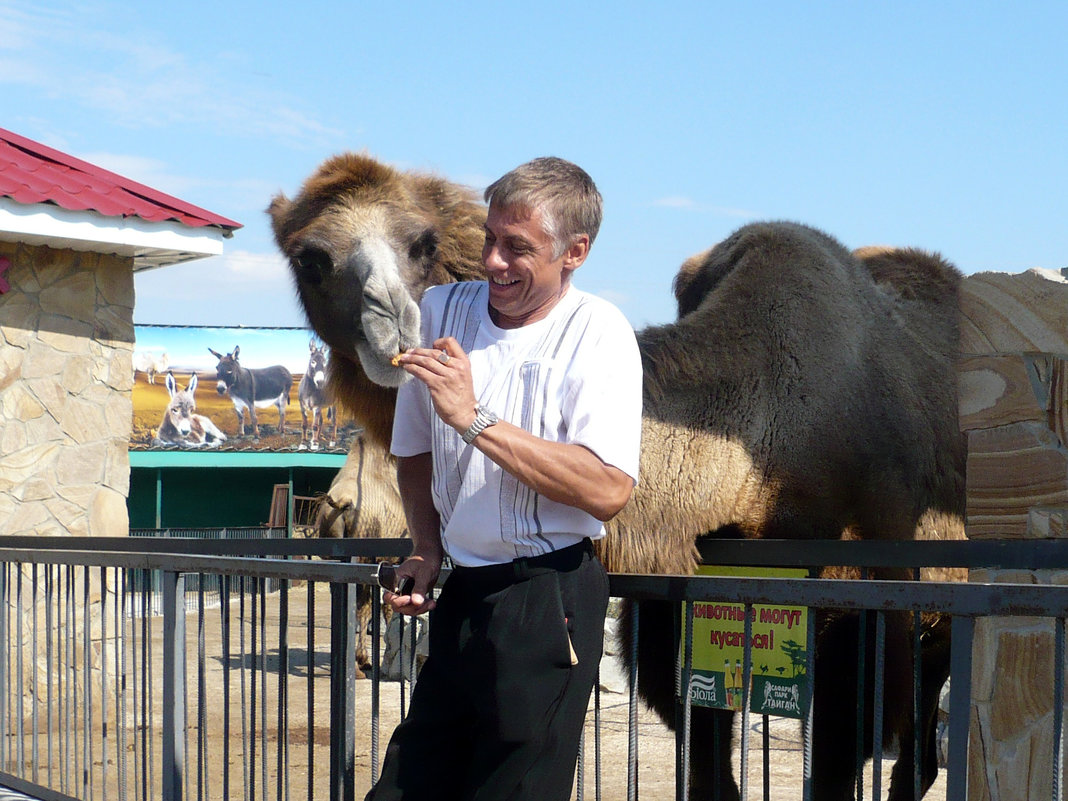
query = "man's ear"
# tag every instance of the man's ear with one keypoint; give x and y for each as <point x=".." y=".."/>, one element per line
<point x="577" y="252"/>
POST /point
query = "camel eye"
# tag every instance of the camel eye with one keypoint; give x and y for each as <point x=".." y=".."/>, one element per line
<point x="424" y="247"/>
<point x="311" y="265"/>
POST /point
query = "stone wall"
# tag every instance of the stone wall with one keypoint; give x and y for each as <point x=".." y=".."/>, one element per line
<point x="1014" y="409"/>
<point x="66" y="382"/>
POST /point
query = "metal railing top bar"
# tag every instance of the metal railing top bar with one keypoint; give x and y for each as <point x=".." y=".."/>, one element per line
<point x="953" y="598"/>
<point x="323" y="548"/>
<point x="300" y="570"/>
<point x="969" y="599"/>
<point x="1003" y="554"/>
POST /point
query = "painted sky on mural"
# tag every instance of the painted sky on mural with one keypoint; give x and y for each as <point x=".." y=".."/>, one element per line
<point x="938" y="125"/>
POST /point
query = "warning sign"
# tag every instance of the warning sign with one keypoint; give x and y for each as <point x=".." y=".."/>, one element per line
<point x="778" y="642"/>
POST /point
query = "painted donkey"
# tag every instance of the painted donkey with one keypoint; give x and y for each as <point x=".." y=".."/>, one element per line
<point x="181" y="425"/>
<point x="252" y="388"/>
<point x="315" y="404"/>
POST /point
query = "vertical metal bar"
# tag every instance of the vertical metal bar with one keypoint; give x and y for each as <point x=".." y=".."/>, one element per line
<point x="747" y="674"/>
<point x="263" y="684"/>
<point x="224" y="626"/>
<point x="148" y="696"/>
<point x="376" y="678"/>
<point x="70" y="753"/>
<point x="806" y="739"/>
<point x="1058" y="708"/>
<point x="917" y="698"/>
<point x="960" y="694"/>
<point x="50" y="592"/>
<point x="632" y="708"/>
<point x="5" y="638"/>
<point x="104" y="701"/>
<point x="401" y="626"/>
<point x="173" y="685"/>
<point x="87" y="692"/>
<point x="242" y="666"/>
<point x="5" y="664"/>
<point x="766" y="751"/>
<point x="33" y="679"/>
<point x="861" y="689"/>
<point x="311" y="691"/>
<point x="877" y="709"/>
<point x="597" y="735"/>
<point x="283" y="690"/>
<point x="580" y="769"/>
<point x="254" y="645"/>
<point x="682" y="775"/>
<point x="202" y="693"/>
<point x="342" y="701"/>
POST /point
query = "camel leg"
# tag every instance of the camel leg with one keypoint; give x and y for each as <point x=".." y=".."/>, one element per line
<point x="935" y="654"/>
<point x="710" y="765"/>
<point x="834" y="713"/>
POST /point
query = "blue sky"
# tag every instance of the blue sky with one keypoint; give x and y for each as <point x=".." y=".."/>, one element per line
<point x="936" y="125"/>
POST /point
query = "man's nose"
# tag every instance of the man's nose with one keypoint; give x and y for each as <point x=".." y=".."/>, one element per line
<point x="491" y="258"/>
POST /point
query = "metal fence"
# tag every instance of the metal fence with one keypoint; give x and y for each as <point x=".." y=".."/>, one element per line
<point x="259" y="698"/>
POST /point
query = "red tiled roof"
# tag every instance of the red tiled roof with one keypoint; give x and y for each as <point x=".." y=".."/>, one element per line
<point x="33" y="173"/>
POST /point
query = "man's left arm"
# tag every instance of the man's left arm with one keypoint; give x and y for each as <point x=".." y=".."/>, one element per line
<point x="565" y="473"/>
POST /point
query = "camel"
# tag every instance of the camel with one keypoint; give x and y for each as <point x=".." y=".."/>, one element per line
<point x="803" y="392"/>
<point x="363" y="502"/>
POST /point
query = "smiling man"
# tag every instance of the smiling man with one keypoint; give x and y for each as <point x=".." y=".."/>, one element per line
<point x="516" y="440"/>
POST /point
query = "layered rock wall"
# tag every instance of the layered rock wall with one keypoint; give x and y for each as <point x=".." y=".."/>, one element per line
<point x="1013" y="382"/>
<point x="66" y="380"/>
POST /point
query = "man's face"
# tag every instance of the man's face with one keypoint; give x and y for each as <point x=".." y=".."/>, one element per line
<point x="525" y="281"/>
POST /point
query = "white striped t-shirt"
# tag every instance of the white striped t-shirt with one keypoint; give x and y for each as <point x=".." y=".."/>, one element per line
<point x="573" y="377"/>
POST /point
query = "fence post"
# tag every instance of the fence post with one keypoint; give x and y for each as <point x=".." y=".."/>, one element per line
<point x="960" y="695"/>
<point x="342" y="698"/>
<point x="173" y="685"/>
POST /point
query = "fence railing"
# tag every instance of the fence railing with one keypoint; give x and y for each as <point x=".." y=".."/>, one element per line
<point x="258" y="697"/>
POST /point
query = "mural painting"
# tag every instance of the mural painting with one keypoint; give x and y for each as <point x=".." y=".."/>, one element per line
<point x="235" y="389"/>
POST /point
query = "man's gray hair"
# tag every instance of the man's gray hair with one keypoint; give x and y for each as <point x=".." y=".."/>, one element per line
<point x="563" y="192"/>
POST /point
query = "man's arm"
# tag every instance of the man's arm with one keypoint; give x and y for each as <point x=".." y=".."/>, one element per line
<point x="414" y="475"/>
<point x="569" y="474"/>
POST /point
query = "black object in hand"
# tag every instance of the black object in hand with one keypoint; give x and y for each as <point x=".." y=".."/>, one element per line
<point x="387" y="580"/>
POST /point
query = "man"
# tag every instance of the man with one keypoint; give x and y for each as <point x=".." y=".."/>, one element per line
<point x="518" y="437"/>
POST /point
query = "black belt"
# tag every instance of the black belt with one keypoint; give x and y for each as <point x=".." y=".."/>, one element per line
<point x="526" y="567"/>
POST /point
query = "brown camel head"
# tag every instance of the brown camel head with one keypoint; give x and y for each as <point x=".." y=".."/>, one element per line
<point x="363" y="242"/>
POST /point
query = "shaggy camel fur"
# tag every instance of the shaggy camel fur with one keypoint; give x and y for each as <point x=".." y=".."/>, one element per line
<point x="363" y="502"/>
<point x="797" y="396"/>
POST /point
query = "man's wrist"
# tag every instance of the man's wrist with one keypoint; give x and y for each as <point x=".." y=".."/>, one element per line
<point x="484" y="418"/>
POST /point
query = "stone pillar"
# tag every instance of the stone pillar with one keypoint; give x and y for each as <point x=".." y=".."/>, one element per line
<point x="66" y="382"/>
<point x="1013" y="382"/>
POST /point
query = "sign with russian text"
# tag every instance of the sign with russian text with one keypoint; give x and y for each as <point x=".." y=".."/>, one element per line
<point x="779" y="647"/>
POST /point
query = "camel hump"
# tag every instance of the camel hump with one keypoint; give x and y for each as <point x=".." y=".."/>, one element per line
<point x="779" y="242"/>
<point x="912" y="274"/>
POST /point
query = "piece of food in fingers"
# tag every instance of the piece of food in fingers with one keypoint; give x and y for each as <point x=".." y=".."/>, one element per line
<point x="395" y="361"/>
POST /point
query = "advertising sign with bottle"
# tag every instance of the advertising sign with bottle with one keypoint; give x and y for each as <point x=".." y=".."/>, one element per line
<point x="779" y="638"/>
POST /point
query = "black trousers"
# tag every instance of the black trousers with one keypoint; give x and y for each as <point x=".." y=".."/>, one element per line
<point x="498" y="708"/>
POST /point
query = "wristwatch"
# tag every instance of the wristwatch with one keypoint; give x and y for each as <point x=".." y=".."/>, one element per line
<point x="484" y="418"/>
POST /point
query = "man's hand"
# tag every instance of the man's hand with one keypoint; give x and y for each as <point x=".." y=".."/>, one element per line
<point x="424" y="572"/>
<point x="446" y="371"/>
